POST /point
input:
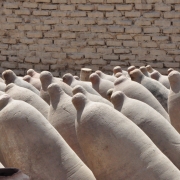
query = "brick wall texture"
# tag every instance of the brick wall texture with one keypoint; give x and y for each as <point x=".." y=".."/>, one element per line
<point x="66" y="35"/>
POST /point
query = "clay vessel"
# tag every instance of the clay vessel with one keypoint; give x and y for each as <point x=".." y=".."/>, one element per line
<point x="71" y="81"/>
<point x="10" y="77"/>
<point x="131" y="68"/>
<point x="38" y="149"/>
<point x="170" y="69"/>
<point x="149" y="68"/>
<point x="174" y="99"/>
<point x="105" y="76"/>
<point x="12" y="174"/>
<point x="46" y="79"/>
<point x="77" y="77"/>
<point x="117" y="69"/>
<point x="62" y="116"/>
<point x="92" y="97"/>
<point x="161" y="78"/>
<point x="135" y="90"/>
<point x="157" y="89"/>
<point x="34" y="81"/>
<point x="159" y="130"/>
<point x="33" y="73"/>
<point x="100" y="85"/>
<point x="109" y="93"/>
<point x="115" y="148"/>
<point x="85" y="73"/>
<point x="23" y="94"/>
<point x="118" y="74"/>
<point x="144" y="71"/>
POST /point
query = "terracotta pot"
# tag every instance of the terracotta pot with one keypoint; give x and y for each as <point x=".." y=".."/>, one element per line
<point x="157" y="89"/>
<point x="71" y="81"/>
<point x="62" y="115"/>
<point x="34" y="81"/>
<point x="118" y="74"/>
<point x="92" y="97"/>
<point x="85" y="73"/>
<point x="161" y="78"/>
<point x="10" y="77"/>
<point x="159" y="130"/>
<point x="115" y="148"/>
<point x="100" y="85"/>
<point x="149" y="68"/>
<point x="131" y="68"/>
<point x="117" y="69"/>
<point x="33" y="73"/>
<point x="20" y="93"/>
<point x="46" y="79"/>
<point x="77" y="77"/>
<point x="105" y="76"/>
<point x="38" y="149"/>
<point x="135" y="90"/>
<point x="174" y="99"/>
<point x="170" y="69"/>
<point x="144" y="71"/>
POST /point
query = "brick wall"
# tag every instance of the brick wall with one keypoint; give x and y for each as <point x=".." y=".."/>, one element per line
<point x="66" y="35"/>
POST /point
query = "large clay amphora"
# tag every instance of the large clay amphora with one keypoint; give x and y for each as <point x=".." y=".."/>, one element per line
<point x="135" y="90"/>
<point x="157" y="89"/>
<point x="62" y="115"/>
<point x="10" y="77"/>
<point x="159" y="130"/>
<point x="30" y="143"/>
<point x="115" y="148"/>
<point x="20" y="93"/>
<point x="174" y="99"/>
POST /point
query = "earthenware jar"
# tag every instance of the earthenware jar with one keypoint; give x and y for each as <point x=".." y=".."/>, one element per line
<point x="135" y="90"/>
<point x="33" y="73"/>
<point x="161" y="78"/>
<point x="122" y="149"/>
<point x="130" y="68"/>
<point x="92" y="97"/>
<point x="46" y="79"/>
<point x="118" y="69"/>
<point x="157" y="89"/>
<point x="159" y="130"/>
<point x="38" y="149"/>
<point x="23" y="94"/>
<point x="105" y="76"/>
<point x="144" y="71"/>
<point x="34" y="81"/>
<point x="100" y="85"/>
<point x="71" y="81"/>
<point x="85" y="73"/>
<point x="149" y="68"/>
<point x="174" y="99"/>
<point x="10" y="77"/>
<point x="62" y="115"/>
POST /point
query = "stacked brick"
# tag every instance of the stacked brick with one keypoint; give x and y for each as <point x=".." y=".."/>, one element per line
<point x="66" y="35"/>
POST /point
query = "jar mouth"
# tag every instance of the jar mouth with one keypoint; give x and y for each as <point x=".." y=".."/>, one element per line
<point x="8" y="171"/>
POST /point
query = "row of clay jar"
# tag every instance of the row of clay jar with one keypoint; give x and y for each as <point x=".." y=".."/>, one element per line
<point x="120" y="126"/>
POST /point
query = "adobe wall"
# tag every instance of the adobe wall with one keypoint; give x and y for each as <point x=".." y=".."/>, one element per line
<point x="65" y="35"/>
